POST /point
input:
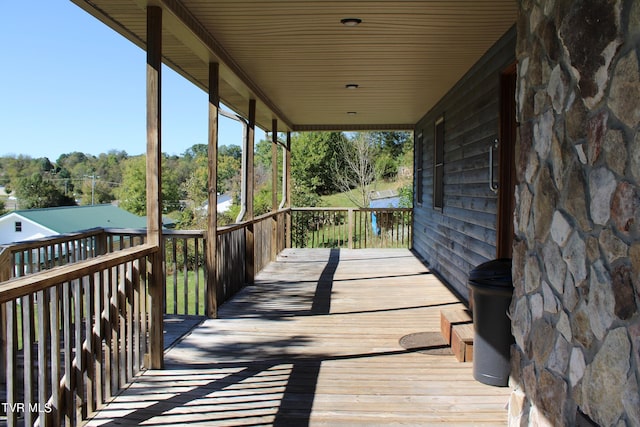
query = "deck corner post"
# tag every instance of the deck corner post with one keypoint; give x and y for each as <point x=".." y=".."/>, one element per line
<point x="212" y="214"/>
<point x="154" y="189"/>
<point x="5" y="263"/>
<point x="101" y="243"/>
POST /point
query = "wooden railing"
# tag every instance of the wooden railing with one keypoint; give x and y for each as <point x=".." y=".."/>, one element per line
<point x="76" y="309"/>
<point x="351" y="228"/>
<point x="73" y="335"/>
<point x="245" y="249"/>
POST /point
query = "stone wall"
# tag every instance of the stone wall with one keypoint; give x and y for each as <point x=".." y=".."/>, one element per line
<point x="576" y="318"/>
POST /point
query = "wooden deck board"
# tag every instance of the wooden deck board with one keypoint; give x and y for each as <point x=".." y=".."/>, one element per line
<point x="316" y="342"/>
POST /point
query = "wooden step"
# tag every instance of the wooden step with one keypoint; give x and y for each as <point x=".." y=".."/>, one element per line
<point x="450" y="318"/>
<point x="462" y="342"/>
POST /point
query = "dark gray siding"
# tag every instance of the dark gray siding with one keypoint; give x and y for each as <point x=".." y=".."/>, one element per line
<point x="463" y="234"/>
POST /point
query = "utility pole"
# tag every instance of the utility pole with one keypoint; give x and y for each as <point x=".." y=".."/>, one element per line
<point x="93" y="186"/>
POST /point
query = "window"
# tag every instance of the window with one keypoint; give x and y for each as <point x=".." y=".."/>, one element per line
<point x="438" y="165"/>
<point x="419" y="169"/>
<point x="18" y="226"/>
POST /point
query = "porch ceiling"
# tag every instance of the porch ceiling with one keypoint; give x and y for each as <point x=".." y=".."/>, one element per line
<point x="295" y="57"/>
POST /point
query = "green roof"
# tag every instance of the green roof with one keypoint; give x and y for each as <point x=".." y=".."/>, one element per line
<point x="69" y="219"/>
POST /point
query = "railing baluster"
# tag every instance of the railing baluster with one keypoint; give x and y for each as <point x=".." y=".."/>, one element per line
<point x="43" y="359"/>
<point x="98" y="337"/>
<point x="185" y="275"/>
<point x="135" y="296"/>
<point x="54" y="324"/>
<point x="144" y="304"/>
<point x="196" y="272"/>
<point x="108" y="333"/>
<point x="129" y="318"/>
<point x="77" y="344"/>
<point x="90" y="373"/>
<point x="68" y="365"/>
<point x="174" y="263"/>
<point x="122" y="322"/>
<point x="27" y="348"/>
<point x="11" y="361"/>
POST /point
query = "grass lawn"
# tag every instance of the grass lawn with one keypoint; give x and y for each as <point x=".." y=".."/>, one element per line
<point x="175" y="287"/>
<point x="341" y="200"/>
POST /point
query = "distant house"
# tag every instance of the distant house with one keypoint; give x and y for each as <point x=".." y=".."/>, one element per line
<point x="32" y="224"/>
<point x="225" y="201"/>
<point x="382" y="199"/>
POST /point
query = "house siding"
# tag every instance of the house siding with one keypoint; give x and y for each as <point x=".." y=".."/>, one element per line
<point x="462" y="235"/>
<point x="30" y="229"/>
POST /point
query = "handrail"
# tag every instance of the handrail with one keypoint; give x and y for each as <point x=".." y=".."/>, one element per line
<point x="334" y="209"/>
<point x="492" y="186"/>
<point x="25" y="285"/>
<point x="62" y="238"/>
<point x="233" y="227"/>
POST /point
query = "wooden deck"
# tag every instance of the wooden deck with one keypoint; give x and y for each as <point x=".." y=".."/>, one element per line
<point x="316" y="341"/>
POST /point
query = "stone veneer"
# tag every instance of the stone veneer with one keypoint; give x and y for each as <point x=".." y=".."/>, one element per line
<point x="575" y="311"/>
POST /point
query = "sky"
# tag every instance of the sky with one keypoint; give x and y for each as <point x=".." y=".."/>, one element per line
<point x="69" y="83"/>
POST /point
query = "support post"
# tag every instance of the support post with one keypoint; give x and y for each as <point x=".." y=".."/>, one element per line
<point x="154" y="189"/>
<point x="274" y="188"/>
<point x="212" y="215"/>
<point x="287" y="188"/>
<point x="249" y="233"/>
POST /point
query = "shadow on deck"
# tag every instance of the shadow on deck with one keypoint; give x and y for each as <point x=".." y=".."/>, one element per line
<point x="316" y="342"/>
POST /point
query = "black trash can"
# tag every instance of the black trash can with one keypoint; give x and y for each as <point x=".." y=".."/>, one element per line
<point x="492" y="289"/>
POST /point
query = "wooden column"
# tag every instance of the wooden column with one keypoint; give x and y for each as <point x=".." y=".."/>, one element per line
<point x="274" y="165"/>
<point x="212" y="216"/>
<point x="287" y="178"/>
<point x="274" y="188"/>
<point x="250" y="247"/>
<point x="154" y="189"/>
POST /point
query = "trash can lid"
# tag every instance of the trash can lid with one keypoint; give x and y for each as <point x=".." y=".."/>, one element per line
<point x="496" y="273"/>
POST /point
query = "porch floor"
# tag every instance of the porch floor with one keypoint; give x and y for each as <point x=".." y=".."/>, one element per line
<point x="316" y="342"/>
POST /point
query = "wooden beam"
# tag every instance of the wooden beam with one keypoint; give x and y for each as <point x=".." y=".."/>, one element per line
<point x="212" y="217"/>
<point x="249" y="233"/>
<point x="251" y="131"/>
<point x="274" y="165"/>
<point x="274" y="188"/>
<point x="287" y="177"/>
<point x="154" y="179"/>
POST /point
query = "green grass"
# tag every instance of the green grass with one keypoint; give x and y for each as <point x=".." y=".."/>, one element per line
<point x="178" y="288"/>
<point x="341" y="200"/>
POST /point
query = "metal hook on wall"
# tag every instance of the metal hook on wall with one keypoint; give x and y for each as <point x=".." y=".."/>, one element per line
<point x="493" y="186"/>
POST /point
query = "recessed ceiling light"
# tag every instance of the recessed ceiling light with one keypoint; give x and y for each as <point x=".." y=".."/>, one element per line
<point x="350" y="22"/>
<point x="351" y="113"/>
<point x="351" y="86"/>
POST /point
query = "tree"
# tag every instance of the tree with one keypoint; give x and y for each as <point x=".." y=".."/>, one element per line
<point x="312" y="157"/>
<point x="390" y="150"/>
<point x="357" y="168"/>
<point x="233" y="151"/>
<point x="196" y="150"/>
<point x="195" y="188"/>
<point x="3" y="208"/>
<point x="133" y="191"/>
<point x="35" y="192"/>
